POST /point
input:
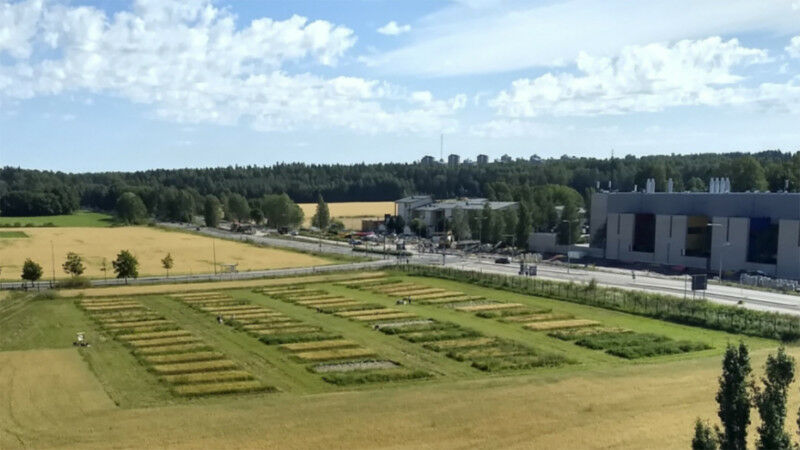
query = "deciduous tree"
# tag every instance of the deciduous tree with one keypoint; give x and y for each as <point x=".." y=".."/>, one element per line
<point x="73" y="265"/>
<point x="31" y="271"/>
<point x="126" y="265"/>
<point x="167" y="263"/>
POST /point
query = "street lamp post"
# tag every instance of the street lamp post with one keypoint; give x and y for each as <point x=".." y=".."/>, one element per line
<point x="721" y="247"/>
<point x="569" y="242"/>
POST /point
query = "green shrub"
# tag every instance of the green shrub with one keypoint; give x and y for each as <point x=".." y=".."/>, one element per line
<point x="638" y="345"/>
<point x="375" y="376"/>
<point x="439" y="335"/>
<point x="74" y="283"/>
<point x="299" y="337"/>
<point x="663" y="307"/>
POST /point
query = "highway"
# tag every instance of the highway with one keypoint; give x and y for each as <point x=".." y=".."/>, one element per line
<point x="610" y="277"/>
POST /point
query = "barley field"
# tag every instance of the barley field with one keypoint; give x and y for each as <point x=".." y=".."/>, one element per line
<point x="350" y="213"/>
<point x="191" y="253"/>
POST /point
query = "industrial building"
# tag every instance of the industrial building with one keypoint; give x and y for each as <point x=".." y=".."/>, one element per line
<point x="433" y="213"/>
<point x="715" y="230"/>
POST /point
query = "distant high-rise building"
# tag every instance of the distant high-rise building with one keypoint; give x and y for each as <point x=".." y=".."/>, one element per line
<point x="453" y="160"/>
<point x="536" y="159"/>
<point x="505" y="159"/>
<point x="483" y="159"/>
<point x="427" y="160"/>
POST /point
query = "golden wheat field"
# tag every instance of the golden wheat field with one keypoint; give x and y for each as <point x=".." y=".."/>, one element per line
<point x="191" y="253"/>
<point x="350" y="213"/>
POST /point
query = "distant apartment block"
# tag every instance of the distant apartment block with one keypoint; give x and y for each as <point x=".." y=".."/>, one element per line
<point x="483" y="159"/>
<point x="427" y="160"/>
<point x="433" y="213"/>
<point x="453" y="160"/>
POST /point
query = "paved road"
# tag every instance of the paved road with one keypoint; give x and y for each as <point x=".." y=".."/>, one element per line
<point x="678" y="286"/>
<point x="369" y="265"/>
<point x="644" y="281"/>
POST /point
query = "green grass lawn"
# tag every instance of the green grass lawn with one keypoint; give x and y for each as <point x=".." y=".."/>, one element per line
<point x="12" y="234"/>
<point x="78" y="219"/>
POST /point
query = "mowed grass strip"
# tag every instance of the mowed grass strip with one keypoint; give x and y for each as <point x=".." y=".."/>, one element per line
<point x="153" y="335"/>
<point x="373" y="317"/>
<point x="333" y="354"/>
<point x="461" y="343"/>
<point x="140" y="323"/>
<point x="177" y="348"/>
<point x="231" y="387"/>
<point x="318" y="345"/>
<point x="183" y="357"/>
<point x="544" y="317"/>
<point x="191" y="367"/>
<point x="455" y="299"/>
<point x="294" y="330"/>
<point x="557" y="324"/>
<point x="363" y="312"/>
<point x="208" y="377"/>
<point x="112" y="307"/>
<point x="337" y="299"/>
<point x="489" y="307"/>
<point x="163" y="341"/>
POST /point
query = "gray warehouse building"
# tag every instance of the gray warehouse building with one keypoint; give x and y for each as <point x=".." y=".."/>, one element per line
<point x="738" y="231"/>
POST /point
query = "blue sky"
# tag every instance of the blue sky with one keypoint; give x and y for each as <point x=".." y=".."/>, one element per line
<point x="94" y="86"/>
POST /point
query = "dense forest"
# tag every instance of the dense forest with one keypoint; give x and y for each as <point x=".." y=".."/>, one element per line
<point x="539" y="183"/>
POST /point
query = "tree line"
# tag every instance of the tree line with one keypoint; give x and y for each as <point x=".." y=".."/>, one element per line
<point x="381" y="182"/>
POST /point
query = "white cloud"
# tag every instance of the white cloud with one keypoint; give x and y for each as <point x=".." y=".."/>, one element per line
<point x="465" y="39"/>
<point x="393" y="29"/>
<point x="190" y="61"/>
<point x="794" y="47"/>
<point x="642" y="78"/>
<point x="18" y="23"/>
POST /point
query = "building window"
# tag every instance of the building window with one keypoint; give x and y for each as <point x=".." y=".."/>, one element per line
<point x="644" y="233"/>
<point x="698" y="237"/>
<point x="762" y="243"/>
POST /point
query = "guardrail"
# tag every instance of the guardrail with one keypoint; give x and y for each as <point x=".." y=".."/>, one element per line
<point x="273" y="273"/>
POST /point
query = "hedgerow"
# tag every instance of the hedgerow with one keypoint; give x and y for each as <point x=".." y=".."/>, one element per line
<point x="699" y="313"/>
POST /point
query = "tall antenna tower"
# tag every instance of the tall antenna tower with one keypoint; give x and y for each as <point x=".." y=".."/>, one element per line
<point x="441" y="147"/>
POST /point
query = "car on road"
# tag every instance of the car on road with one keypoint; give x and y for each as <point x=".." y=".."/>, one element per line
<point x="502" y="260"/>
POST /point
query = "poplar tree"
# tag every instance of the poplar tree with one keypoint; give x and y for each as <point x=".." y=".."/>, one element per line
<point x="771" y="402"/>
<point x="733" y="398"/>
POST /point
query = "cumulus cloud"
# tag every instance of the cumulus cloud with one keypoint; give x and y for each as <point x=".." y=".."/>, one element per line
<point x="393" y="29"/>
<point x="794" y="47"/>
<point x="488" y="36"/>
<point x="642" y="78"/>
<point x="190" y="61"/>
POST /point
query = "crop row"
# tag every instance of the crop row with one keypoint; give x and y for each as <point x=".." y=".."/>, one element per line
<point x="179" y="358"/>
<point x="308" y="344"/>
<point x="463" y="344"/>
<point x="358" y="364"/>
<point x="628" y="344"/>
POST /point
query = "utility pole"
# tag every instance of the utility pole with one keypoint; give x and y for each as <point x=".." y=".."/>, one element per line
<point x="569" y="242"/>
<point x="214" y="251"/>
<point x="53" y="262"/>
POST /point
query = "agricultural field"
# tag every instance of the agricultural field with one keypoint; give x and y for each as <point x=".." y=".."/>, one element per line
<point x="78" y="219"/>
<point x="350" y="213"/>
<point x="413" y="362"/>
<point x="192" y="253"/>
